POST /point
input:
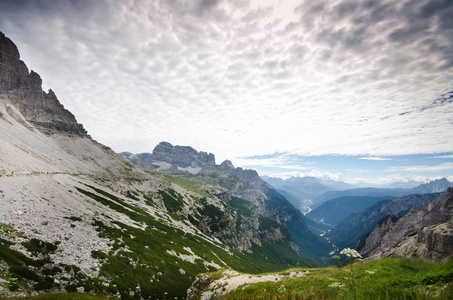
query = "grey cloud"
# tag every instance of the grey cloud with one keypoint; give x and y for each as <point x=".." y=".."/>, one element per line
<point x="346" y="9"/>
<point x="197" y="8"/>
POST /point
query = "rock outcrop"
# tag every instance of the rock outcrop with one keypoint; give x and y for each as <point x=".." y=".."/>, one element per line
<point x="425" y="233"/>
<point x="24" y="90"/>
<point x="165" y="156"/>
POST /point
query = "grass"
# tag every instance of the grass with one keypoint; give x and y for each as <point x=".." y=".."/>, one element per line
<point x="387" y="278"/>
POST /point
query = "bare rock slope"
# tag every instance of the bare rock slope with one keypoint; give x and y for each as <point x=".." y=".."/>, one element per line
<point x="425" y="233"/>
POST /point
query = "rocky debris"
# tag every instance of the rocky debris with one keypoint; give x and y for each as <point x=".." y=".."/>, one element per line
<point x="38" y="207"/>
<point x="425" y="233"/>
<point x="201" y="283"/>
<point x="207" y="288"/>
<point x="24" y="90"/>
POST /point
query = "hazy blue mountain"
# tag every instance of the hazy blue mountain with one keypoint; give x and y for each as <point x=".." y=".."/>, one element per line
<point x="354" y="226"/>
<point x="301" y="191"/>
<point x="360" y="192"/>
<point x="334" y="211"/>
<point x="435" y="186"/>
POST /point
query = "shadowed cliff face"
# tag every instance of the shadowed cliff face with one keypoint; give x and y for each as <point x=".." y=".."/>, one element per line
<point x="23" y="89"/>
<point x="425" y="233"/>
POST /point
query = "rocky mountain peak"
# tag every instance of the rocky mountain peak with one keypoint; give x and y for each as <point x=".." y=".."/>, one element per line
<point x="8" y="47"/>
<point x="227" y="165"/>
<point x="24" y="90"/>
<point x="165" y="156"/>
<point x="435" y="186"/>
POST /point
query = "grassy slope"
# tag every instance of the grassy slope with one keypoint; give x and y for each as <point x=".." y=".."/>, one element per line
<point x="387" y="278"/>
<point x="142" y="261"/>
<point x="378" y="279"/>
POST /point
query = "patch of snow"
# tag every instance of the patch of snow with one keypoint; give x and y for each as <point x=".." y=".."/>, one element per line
<point x="192" y="170"/>
<point x="162" y="165"/>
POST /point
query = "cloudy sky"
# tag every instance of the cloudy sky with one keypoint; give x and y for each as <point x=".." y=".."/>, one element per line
<point x="356" y="90"/>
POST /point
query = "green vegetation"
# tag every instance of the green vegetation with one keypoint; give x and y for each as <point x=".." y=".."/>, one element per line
<point x="210" y="210"/>
<point x="25" y="274"/>
<point x="373" y="279"/>
<point x="242" y="206"/>
<point x="37" y="247"/>
<point x="172" y="201"/>
<point x="73" y="218"/>
<point x="159" y="260"/>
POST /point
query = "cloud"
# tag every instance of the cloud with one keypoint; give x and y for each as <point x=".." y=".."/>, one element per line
<point x="375" y="158"/>
<point x="237" y="79"/>
<point x="395" y="178"/>
<point x="313" y="173"/>
<point x="443" y="156"/>
<point x="423" y="168"/>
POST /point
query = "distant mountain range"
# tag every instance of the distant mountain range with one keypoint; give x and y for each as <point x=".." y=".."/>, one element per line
<point x="301" y="191"/>
<point x="332" y="212"/>
<point x="307" y="193"/>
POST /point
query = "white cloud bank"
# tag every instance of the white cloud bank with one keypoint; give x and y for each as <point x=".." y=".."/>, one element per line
<point x="371" y="78"/>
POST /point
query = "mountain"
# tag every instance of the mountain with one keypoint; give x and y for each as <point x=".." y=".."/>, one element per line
<point x="360" y="192"/>
<point x="423" y="233"/>
<point x="165" y="156"/>
<point x="350" y="229"/>
<point x="301" y="191"/>
<point x="334" y="211"/>
<point x="184" y="161"/>
<point x="435" y="186"/>
<point x="75" y="216"/>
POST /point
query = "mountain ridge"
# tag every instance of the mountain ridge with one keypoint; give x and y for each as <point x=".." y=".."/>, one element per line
<point x="261" y="194"/>
<point x="348" y="232"/>
<point x="423" y="233"/>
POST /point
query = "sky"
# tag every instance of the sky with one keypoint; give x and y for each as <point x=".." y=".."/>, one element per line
<point x="359" y="91"/>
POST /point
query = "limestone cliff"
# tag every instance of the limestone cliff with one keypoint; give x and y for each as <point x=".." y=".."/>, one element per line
<point x="23" y="89"/>
<point x="425" y="233"/>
